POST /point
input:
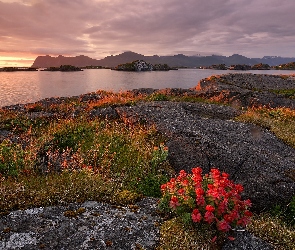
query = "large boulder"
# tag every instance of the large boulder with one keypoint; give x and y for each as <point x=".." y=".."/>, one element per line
<point x="90" y="225"/>
<point x="206" y="135"/>
<point x="244" y="90"/>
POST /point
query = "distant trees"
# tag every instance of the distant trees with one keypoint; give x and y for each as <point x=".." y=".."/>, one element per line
<point x="63" y="68"/>
<point x="290" y="66"/>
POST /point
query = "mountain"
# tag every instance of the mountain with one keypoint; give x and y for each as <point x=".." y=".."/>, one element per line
<point x="78" y="61"/>
<point x="179" y="60"/>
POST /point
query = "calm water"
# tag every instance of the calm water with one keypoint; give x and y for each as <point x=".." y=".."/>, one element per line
<point x="25" y="87"/>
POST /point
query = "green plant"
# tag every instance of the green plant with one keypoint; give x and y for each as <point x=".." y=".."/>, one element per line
<point x="210" y="199"/>
<point x="288" y="93"/>
<point x="150" y="185"/>
<point x="11" y="158"/>
<point x="281" y="121"/>
<point x="158" y="97"/>
<point x="72" y="135"/>
<point x="286" y="213"/>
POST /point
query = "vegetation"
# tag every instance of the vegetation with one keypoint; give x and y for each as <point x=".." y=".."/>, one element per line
<point x="288" y="93"/>
<point x="280" y="121"/>
<point x="63" y="68"/>
<point x="61" y="158"/>
<point x="287" y="66"/>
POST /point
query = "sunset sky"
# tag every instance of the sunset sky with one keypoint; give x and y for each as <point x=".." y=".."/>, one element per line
<point x="98" y="28"/>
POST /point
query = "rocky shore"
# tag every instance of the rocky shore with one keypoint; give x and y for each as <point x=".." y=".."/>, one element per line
<point x="199" y="134"/>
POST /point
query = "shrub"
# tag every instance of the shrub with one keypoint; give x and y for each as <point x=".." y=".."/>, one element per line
<point x="211" y="199"/>
<point x="11" y="158"/>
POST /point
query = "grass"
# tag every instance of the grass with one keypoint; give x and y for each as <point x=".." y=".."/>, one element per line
<point x="288" y="93"/>
<point x="281" y="121"/>
<point x="57" y="159"/>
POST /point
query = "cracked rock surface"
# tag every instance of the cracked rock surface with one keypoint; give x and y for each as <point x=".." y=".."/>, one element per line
<point x="90" y="225"/>
<point x="206" y="135"/>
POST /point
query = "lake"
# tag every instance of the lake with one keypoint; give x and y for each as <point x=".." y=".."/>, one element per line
<point x="24" y="87"/>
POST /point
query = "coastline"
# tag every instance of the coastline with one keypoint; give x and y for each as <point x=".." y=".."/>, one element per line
<point x="198" y="133"/>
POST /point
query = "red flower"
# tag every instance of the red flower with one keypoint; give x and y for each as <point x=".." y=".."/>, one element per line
<point x="239" y="188"/>
<point x="200" y="201"/>
<point x="199" y="191"/>
<point x="209" y="217"/>
<point x="163" y="187"/>
<point x="197" y="171"/>
<point x="182" y="174"/>
<point x="210" y="208"/>
<point x="184" y="183"/>
<point x="247" y="203"/>
<point x="223" y="226"/>
<point x="174" y="202"/>
<point x="181" y="191"/>
<point x="248" y="213"/>
<point x="215" y="173"/>
<point x="244" y="221"/>
<point x="225" y="175"/>
<point x="222" y="206"/>
<point x="196" y="215"/>
<point x="213" y="193"/>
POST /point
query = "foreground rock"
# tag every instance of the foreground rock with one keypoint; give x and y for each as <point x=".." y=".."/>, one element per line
<point x="205" y="135"/>
<point x="90" y="225"/>
<point x="246" y="90"/>
<point x="198" y="134"/>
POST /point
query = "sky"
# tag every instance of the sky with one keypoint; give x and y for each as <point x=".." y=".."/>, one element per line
<point x="99" y="28"/>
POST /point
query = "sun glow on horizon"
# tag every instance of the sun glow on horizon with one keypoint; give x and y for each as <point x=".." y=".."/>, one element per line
<point x="16" y="61"/>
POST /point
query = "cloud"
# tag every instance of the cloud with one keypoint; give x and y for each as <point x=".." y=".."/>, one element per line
<point x="99" y="27"/>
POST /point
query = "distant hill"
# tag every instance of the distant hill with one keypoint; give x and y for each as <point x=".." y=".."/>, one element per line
<point x="179" y="60"/>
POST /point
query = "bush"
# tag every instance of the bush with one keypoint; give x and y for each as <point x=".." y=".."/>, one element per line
<point x="11" y="158"/>
<point x="210" y="200"/>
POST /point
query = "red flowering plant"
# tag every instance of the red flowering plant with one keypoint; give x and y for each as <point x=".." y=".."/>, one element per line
<point x="211" y="199"/>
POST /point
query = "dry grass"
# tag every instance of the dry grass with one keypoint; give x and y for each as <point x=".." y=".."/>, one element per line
<point x="274" y="231"/>
<point x="109" y="161"/>
<point x="281" y="121"/>
<point x="174" y="236"/>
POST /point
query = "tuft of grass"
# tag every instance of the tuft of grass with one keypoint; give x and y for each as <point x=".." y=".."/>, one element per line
<point x="111" y="162"/>
<point x="175" y="235"/>
<point x="285" y="213"/>
<point x="288" y="93"/>
<point x="86" y="160"/>
<point x="157" y="96"/>
<point x="281" y="121"/>
<point x="273" y="230"/>
<point x="37" y="190"/>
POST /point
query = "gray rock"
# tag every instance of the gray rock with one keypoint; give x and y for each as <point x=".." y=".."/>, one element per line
<point x="105" y="113"/>
<point x="99" y="226"/>
<point x="246" y="241"/>
<point x="205" y="135"/>
<point x="246" y="90"/>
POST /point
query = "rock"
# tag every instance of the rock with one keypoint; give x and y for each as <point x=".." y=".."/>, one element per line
<point x="93" y="226"/>
<point x="246" y="90"/>
<point x="246" y="241"/>
<point x="206" y="135"/>
<point x="105" y="113"/>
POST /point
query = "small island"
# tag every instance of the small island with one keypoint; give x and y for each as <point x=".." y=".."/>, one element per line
<point x="286" y="66"/>
<point x="12" y="69"/>
<point x="141" y="65"/>
<point x="64" y="68"/>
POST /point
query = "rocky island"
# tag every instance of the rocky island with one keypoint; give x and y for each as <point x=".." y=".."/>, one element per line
<point x="64" y="68"/>
<point x="13" y="69"/>
<point x="207" y="126"/>
<point x="140" y="65"/>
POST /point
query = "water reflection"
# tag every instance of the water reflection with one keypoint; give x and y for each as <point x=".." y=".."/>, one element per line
<point x="24" y="87"/>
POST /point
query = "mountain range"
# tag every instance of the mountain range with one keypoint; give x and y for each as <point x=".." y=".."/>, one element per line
<point x="179" y="60"/>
